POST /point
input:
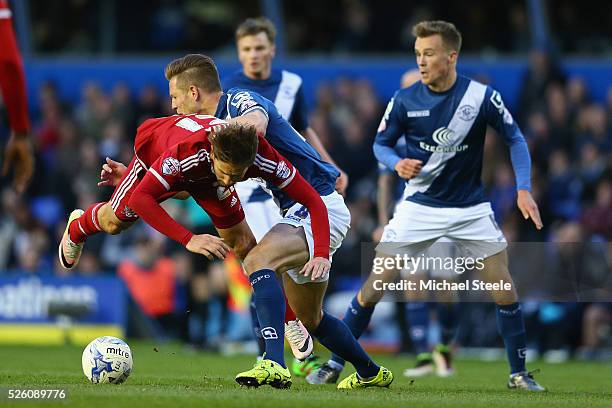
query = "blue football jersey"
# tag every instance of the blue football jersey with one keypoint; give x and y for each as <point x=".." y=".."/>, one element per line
<point x="446" y="130"/>
<point x="284" y="88"/>
<point x="284" y="138"/>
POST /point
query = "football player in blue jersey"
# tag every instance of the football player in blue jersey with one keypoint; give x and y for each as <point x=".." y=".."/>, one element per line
<point x="289" y="248"/>
<point x="416" y="312"/>
<point x="444" y="119"/>
<point x="255" y="43"/>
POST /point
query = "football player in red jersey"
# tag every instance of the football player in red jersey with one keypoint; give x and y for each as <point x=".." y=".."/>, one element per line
<point x="18" y="152"/>
<point x="153" y="137"/>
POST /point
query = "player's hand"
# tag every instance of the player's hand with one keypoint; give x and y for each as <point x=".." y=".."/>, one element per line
<point x="408" y="168"/>
<point x="342" y="183"/>
<point x="529" y="208"/>
<point x="112" y="172"/>
<point x="316" y="268"/>
<point x="18" y="155"/>
<point x="209" y="246"/>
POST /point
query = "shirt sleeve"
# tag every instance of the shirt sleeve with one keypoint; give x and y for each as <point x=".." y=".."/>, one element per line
<point x="389" y="132"/>
<point x="242" y="102"/>
<point x="162" y="176"/>
<point x="271" y="166"/>
<point x="299" y="114"/>
<point x="498" y="117"/>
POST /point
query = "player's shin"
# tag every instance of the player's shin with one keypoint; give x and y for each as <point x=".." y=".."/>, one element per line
<point x="356" y="318"/>
<point x="512" y="329"/>
<point x="270" y="305"/>
<point x="86" y="225"/>
<point x="261" y="344"/>
<point x="336" y="337"/>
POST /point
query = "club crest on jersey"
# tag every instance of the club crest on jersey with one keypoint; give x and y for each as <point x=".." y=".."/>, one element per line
<point x="467" y="112"/>
<point x="282" y="170"/>
<point x="224" y="192"/>
<point x="171" y="166"/>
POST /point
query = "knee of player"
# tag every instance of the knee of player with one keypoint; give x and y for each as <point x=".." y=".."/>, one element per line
<point x="243" y="246"/>
<point x="258" y="258"/>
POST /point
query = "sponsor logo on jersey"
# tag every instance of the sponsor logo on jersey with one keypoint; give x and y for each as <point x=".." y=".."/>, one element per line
<point x="282" y="170"/>
<point x="467" y="112"/>
<point x="445" y="138"/>
<point x="234" y="201"/>
<point x="418" y="113"/>
<point x="171" y="166"/>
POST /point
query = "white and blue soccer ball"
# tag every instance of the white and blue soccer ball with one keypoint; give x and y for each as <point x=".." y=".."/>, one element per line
<point x="107" y="359"/>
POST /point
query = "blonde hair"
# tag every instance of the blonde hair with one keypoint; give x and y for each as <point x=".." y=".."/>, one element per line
<point x="451" y="37"/>
<point x="195" y="69"/>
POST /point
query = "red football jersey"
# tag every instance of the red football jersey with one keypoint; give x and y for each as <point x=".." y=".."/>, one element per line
<point x="187" y="166"/>
<point x="157" y="135"/>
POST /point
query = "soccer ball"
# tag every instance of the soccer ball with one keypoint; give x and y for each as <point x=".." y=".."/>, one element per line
<point x="107" y="359"/>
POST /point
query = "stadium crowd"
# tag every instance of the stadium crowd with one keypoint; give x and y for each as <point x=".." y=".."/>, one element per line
<point x="569" y="136"/>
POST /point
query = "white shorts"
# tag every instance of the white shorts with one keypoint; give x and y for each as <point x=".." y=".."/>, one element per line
<point x="260" y="215"/>
<point x="339" y="223"/>
<point x="415" y="227"/>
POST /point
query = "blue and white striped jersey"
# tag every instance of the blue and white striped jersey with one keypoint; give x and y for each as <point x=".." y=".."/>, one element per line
<point x="284" y="138"/>
<point x="446" y="130"/>
<point x="284" y="88"/>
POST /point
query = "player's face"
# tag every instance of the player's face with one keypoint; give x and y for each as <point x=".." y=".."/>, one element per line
<point x="435" y="61"/>
<point x="228" y="174"/>
<point x="255" y="53"/>
<point x="183" y="100"/>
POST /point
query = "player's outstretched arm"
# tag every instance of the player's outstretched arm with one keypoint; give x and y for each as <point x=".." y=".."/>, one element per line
<point x="305" y="194"/>
<point x="529" y="208"/>
<point x="384" y="196"/>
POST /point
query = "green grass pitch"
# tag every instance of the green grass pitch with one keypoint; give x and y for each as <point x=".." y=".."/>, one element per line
<point x="174" y="377"/>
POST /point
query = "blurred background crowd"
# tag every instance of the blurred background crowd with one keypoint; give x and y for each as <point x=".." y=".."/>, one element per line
<point x="569" y="134"/>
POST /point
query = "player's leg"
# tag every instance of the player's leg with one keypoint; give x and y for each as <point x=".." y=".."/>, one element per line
<point x="409" y="231"/>
<point x="510" y="322"/>
<point x="111" y="217"/>
<point x="307" y="301"/>
<point x="480" y="236"/>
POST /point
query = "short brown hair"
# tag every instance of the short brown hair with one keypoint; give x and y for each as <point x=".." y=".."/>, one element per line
<point x="451" y="37"/>
<point x="235" y="144"/>
<point x="195" y="69"/>
<point x="254" y="26"/>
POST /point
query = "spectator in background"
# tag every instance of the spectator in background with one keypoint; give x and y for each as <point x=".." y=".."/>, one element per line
<point x="541" y="73"/>
<point x="150" y="279"/>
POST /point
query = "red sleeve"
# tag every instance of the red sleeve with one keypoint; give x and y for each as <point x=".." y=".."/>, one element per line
<point x="302" y="192"/>
<point x="12" y="78"/>
<point x="274" y="168"/>
<point x="145" y="199"/>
